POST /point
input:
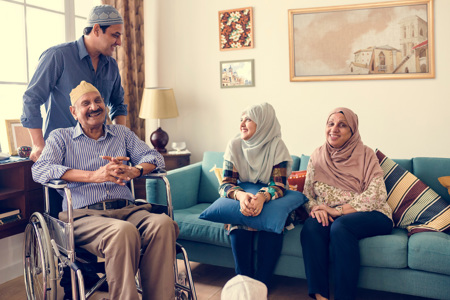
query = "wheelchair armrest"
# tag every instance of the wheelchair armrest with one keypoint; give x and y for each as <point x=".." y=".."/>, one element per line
<point x="56" y="184"/>
<point x="140" y="202"/>
<point x="156" y="173"/>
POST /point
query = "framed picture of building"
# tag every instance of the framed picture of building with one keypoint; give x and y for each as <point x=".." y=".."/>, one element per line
<point x="237" y="73"/>
<point x="382" y="40"/>
<point x="236" y="29"/>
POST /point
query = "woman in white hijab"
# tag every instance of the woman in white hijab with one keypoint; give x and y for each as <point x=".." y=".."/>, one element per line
<point x="257" y="155"/>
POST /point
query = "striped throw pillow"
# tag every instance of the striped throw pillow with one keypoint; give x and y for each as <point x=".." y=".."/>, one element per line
<point x="415" y="206"/>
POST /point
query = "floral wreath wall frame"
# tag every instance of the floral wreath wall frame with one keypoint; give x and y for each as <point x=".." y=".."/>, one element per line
<point x="381" y="40"/>
<point x="236" y="29"/>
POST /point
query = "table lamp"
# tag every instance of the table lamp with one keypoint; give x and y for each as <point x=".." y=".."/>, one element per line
<point x="158" y="103"/>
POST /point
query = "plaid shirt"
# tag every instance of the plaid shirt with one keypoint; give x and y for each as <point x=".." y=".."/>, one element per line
<point x="275" y="187"/>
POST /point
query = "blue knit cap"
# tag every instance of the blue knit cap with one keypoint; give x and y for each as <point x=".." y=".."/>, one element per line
<point x="104" y="15"/>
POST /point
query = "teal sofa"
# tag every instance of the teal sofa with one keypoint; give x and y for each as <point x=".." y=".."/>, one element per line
<point x="419" y="265"/>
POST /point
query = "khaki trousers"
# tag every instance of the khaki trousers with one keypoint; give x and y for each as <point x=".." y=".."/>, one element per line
<point x="118" y="236"/>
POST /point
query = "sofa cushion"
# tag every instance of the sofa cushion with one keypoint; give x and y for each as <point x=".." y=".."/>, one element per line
<point x="430" y="251"/>
<point x="429" y="169"/>
<point x="209" y="186"/>
<point x="194" y="229"/>
<point x="415" y="206"/>
<point x="385" y="251"/>
<point x="272" y="218"/>
<point x="304" y="162"/>
<point x="295" y="162"/>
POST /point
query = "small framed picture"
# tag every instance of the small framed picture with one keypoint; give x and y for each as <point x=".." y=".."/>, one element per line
<point x="237" y="73"/>
<point x="236" y="29"/>
<point x="17" y="136"/>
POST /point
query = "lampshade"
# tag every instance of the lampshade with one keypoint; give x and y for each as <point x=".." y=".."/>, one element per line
<point x="158" y="103"/>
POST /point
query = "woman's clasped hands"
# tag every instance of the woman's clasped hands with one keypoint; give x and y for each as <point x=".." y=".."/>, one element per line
<point x="324" y="214"/>
<point x="251" y="205"/>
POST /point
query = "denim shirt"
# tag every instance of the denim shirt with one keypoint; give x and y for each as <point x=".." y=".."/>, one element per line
<point x="61" y="68"/>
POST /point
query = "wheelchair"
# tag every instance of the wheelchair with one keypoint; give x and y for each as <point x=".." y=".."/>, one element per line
<point x="49" y="247"/>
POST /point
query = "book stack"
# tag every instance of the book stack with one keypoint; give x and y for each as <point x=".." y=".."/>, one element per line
<point x="9" y="215"/>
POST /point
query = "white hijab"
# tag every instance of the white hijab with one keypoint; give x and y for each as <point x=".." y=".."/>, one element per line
<point x="254" y="159"/>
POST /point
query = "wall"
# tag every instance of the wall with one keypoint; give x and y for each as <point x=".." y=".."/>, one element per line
<point x="11" y="253"/>
<point x="404" y="118"/>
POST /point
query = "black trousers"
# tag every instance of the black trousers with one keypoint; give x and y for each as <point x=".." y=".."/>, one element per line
<point x="343" y="235"/>
<point x="268" y="251"/>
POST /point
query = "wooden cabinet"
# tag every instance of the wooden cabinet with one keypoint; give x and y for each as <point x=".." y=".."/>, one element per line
<point x="18" y="190"/>
<point x="173" y="161"/>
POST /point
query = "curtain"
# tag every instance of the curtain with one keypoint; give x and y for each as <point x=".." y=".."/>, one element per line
<point x="130" y="58"/>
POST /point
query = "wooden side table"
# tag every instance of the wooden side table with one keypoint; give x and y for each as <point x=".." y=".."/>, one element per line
<point x="19" y="191"/>
<point x="173" y="161"/>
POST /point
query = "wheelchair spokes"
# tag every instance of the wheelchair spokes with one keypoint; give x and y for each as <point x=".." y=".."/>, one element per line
<point x="39" y="268"/>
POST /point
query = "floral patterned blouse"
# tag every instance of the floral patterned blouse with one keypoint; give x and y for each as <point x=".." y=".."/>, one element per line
<point x="372" y="199"/>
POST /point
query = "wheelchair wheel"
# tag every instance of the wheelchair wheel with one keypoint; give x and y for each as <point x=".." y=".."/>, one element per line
<point x="39" y="261"/>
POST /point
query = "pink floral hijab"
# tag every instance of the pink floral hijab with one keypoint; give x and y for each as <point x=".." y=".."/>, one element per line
<point x="350" y="167"/>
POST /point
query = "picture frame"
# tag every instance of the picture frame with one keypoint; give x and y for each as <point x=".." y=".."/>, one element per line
<point x="17" y="136"/>
<point x="381" y="40"/>
<point x="237" y="73"/>
<point x="236" y="29"/>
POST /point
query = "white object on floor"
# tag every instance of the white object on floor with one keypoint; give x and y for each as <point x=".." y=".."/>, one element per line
<point x="242" y="287"/>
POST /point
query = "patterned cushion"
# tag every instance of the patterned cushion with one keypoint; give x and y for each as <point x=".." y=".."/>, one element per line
<point x="415" y="206"/>
<point x="296" y="181"/>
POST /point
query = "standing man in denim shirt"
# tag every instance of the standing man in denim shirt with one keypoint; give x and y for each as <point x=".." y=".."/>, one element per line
<point x="61" y="68"/>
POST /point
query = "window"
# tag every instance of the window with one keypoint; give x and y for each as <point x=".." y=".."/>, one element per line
<point x="30" y="27"/>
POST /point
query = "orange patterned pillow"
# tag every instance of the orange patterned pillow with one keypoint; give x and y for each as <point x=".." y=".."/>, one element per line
<point x="297" y="180"/>
<point x="445" y="181"/>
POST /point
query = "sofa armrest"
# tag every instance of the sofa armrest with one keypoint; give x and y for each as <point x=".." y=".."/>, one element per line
<point x="184" y="185"/>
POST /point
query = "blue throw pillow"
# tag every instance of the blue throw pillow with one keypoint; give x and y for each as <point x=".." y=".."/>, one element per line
<point x="272" y="218"/>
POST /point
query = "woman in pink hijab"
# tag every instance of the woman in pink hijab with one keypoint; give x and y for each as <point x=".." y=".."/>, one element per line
<point x="347" y="202"/>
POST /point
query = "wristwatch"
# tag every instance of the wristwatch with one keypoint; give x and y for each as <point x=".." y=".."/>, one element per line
<point x="141" y="170"/>
<point x="339" y="209"/>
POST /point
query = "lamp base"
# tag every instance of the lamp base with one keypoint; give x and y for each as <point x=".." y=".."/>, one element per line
<point x="159" y="139"/>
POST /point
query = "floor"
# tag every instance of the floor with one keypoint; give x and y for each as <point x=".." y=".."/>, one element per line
<point x="209" y="281"/>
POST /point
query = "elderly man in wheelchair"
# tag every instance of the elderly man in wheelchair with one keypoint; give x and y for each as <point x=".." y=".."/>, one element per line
<point x="106" y="222"/>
